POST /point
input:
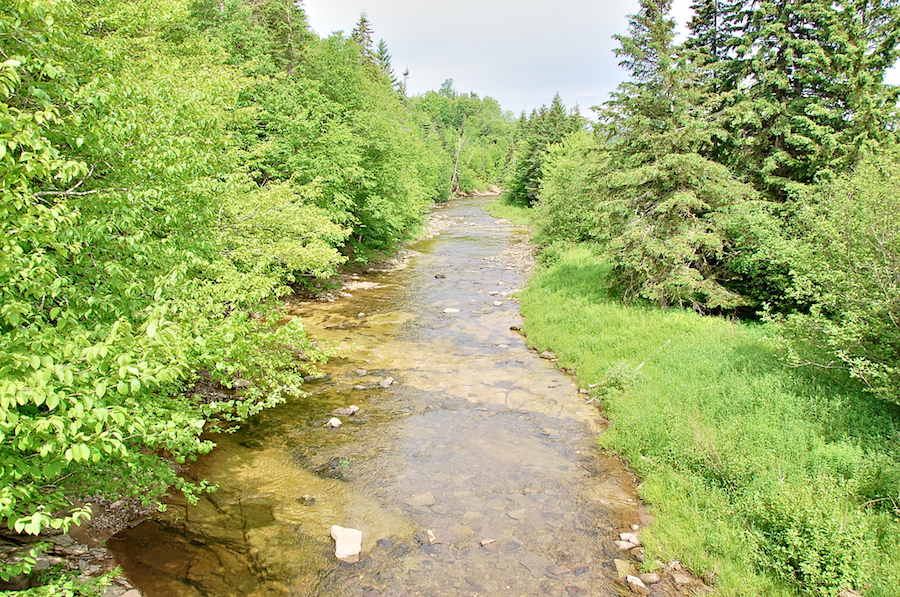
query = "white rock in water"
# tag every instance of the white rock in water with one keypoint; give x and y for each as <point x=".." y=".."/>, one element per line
<point x="451" y="310"/>
<point x="498" y="303"/>
<point x="347" y="544"/>
<point x="333" y="422"/>
<point x="634" y="581"/>
<point x="386" y="383"/>
<point x="624" y="545"/>
<point x="353" y="409"/>
<point x="630" y="537"/>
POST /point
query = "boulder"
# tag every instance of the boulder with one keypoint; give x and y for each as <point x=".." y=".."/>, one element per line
<point x="421" y="499"/>
<point x="347" y="544"/>
<point x="634" y="581"/>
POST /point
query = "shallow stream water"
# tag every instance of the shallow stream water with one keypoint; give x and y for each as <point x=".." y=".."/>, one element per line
<point x="475" y="473"/>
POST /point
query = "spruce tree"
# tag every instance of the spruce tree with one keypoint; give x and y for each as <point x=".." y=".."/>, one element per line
<point x="383" y="60"/>
<point x="808" y="89"/>
<point x="362" y="35"/>
<point x="543" y="128"/>
<point x="667" y="206"/>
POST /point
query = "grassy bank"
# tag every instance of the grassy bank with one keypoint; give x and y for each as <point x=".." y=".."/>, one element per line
<point x="764" y="480"/>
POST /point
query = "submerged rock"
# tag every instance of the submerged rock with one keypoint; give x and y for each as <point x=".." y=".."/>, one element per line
<point x="623" y="568"/>
<point x="421" y="499"/>
<point x="347" y="544"/>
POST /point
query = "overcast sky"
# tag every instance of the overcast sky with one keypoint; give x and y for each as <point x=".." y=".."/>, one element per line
<point x="520" y="52"/>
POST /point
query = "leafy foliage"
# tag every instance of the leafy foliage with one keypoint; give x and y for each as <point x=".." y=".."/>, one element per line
<point x="475" y="134"/>
<point x="852" y="281"/>
<point x="167" y="171"/>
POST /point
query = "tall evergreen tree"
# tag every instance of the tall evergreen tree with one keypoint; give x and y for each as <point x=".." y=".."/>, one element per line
<point x="808" y="90"/>
<point x="667" y="206"/>
<point x="362" y="35"/>
<point x="383" y="60"/>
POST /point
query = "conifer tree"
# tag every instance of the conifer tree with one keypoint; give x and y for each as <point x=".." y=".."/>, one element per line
<point x="667" y="206"/>
<point x="362" y="35"/>
<point x="807" y="91"/>
<point x="383" y="60"/>
<point x="541" y="129"/>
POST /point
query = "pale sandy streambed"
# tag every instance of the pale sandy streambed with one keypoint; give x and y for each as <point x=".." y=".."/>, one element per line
<point x="479" y="440"/>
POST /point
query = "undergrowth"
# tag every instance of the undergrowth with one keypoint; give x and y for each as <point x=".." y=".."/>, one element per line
<point x="766" y="479"/>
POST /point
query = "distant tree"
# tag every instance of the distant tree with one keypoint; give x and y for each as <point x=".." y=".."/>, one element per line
<point x="447" y="89"/>
<point x="403" y="83"/>
<point x="362" y="35"/>
<point x="536" y="133"/>
<point x="383" y="60"/>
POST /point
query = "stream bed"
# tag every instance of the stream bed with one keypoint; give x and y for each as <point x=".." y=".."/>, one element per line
<point x="475" y="472"/>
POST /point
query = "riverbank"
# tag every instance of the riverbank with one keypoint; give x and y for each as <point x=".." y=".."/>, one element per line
<point x="763" y="480"/>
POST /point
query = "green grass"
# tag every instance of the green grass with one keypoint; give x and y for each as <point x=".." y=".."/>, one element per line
<point x="765" y="479"/>
<point x="515" y="213"/>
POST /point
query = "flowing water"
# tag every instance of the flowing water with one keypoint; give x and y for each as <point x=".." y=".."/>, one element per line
<point x="475" y="473"/>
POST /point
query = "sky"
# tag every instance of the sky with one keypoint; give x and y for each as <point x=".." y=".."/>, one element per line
<point x="520" y="52"/>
